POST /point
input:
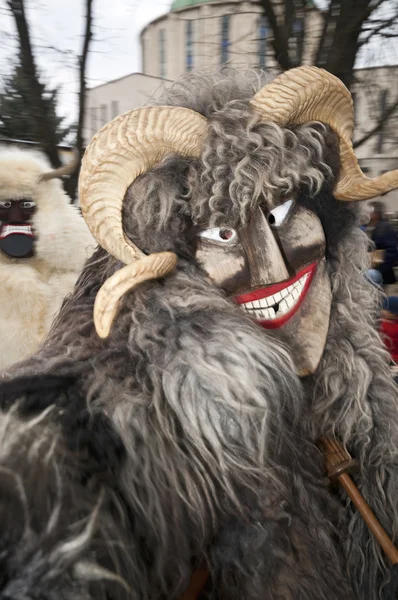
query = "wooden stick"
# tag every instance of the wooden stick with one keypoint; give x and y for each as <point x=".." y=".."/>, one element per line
<point x="196" y="585"/>
<point x="339" y="463"/>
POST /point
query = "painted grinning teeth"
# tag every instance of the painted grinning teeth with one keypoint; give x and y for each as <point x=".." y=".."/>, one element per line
<point x="277" y="305"/>
<point x="15" y="228"/>
<point x="7" y="230"/>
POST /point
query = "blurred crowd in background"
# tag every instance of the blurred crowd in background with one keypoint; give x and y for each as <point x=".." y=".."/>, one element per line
<point x="382" y="230"/>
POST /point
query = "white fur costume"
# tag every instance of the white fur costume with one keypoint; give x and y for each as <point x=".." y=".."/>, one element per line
<point x="33" y="289"/>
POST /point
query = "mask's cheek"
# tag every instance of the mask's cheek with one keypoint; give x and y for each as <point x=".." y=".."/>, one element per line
<point x="306" y="332"/>
<point x="226" y="266"/>
<point x="301" y="239"/>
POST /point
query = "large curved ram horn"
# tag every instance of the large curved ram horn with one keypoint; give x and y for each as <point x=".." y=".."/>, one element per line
<point x="308" y="94"/>
<point x="125" y="148"/>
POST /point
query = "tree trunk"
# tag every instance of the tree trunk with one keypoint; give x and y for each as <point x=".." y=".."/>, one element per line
<point x="45" y="133"/>
<point x="71" y="184"/>
<point x="344" y="42"/>
<point x="280" y="34"/>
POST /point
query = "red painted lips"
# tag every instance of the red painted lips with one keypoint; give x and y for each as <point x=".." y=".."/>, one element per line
<point x="273" y="305"/>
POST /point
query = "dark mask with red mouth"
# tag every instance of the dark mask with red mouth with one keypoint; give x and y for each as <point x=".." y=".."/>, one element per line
<point x="274" y="267"/>
<point x="16" y="232"/>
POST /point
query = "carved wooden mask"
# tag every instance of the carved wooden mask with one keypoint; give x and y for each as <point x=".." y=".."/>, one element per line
<point x="274" y="267"/>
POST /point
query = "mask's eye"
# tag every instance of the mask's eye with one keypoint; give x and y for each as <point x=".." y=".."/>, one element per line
<point x="27" y="204"/>
<point x="278" y="215"/>
<point x="5" y="204"/>
<point x="224" y="235"/>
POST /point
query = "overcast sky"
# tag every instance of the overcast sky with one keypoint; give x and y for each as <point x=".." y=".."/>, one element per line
<point x="59" y="24"/>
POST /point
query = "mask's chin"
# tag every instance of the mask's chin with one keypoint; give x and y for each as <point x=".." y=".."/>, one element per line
<point x="16" y="240"/>
<point x="297" y="312"/>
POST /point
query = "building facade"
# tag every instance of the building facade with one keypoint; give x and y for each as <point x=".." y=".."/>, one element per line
<point x="107" y="101"/>
<point x="207" y="33"/>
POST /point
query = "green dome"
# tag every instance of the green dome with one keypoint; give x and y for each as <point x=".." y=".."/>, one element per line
<point x="179" y="4"/>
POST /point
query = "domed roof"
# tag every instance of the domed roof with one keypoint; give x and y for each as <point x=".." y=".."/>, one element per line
<point x="179" y="4"/>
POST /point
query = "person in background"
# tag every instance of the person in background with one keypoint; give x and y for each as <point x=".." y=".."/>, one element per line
<point x="375" y="277"/>
<point x="389" y="330"/>
<point x="385" y="240"/>
<point x="44" y="243"/>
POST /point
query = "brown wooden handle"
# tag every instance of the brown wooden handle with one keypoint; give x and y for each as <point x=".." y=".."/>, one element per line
<point x="339" y="463"/>
<point x="196" y="585"/>
<point x="369" y="518"/>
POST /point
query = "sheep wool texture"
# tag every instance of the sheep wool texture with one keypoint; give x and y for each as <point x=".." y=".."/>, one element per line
<point x="32" y="289"/>
<point x="187" y="439"/>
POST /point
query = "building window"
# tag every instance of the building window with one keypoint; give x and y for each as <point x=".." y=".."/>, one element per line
<point x="103" y="114"/>
<point x="383" y="107"/>
<point x="189" y="45"/>
<point x="354" y="101"/>
<point x="224" y="38"/>
<point x="162" y="53"/>
<point x="262" y="41"/>
<point x="143" y="55"/>
<point x="298" y="26"/>
<point x="296" y="41"/>
<point x="114" y="108"/>
<point x="94" y="124"/>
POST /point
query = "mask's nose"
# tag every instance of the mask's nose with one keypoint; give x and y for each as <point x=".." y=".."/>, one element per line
<point x="265" y="259"/>
<point x="14" y="214"/>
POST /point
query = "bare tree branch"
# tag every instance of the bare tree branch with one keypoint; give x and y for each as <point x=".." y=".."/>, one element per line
<point x="280" y="42"/>
<point x="377" y="29"/>
<point x="290" y="13"/>
<point x="388" y="36"/>
<point x="379" y="125"/>
<point x="375" y="5"/>
<point x="71" y="184"/>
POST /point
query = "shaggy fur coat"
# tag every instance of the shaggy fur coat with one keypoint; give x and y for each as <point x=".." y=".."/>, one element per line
<point x="33" y="289"/>
<point x="186" y="438"/>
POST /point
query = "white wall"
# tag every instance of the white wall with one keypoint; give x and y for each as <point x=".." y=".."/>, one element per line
<point x="106" y="101"/>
